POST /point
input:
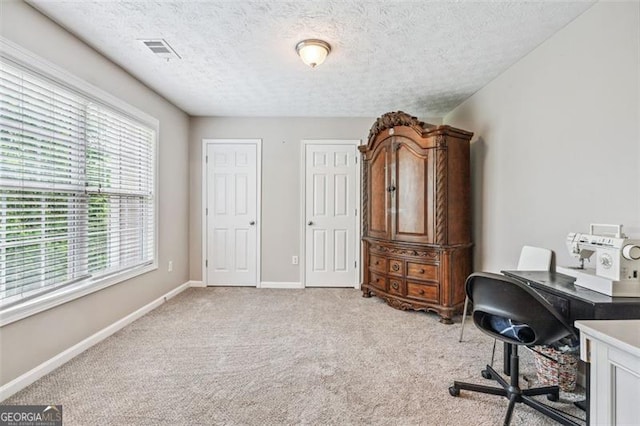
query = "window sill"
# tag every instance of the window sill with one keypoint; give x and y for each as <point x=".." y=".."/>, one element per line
<point x="67" y="294"/>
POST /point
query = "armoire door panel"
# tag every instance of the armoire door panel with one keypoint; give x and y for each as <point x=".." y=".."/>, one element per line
<point x="378" y="194"/>
<point x="409" y="199"/>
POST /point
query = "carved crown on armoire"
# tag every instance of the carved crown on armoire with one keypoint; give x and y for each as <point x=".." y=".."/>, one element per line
<point x="416" y="214"/>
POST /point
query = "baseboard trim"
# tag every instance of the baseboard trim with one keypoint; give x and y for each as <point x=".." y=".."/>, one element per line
<point x="51" y="364"/>
<point x="196" y="284"/>
<point x="280" y="284"/>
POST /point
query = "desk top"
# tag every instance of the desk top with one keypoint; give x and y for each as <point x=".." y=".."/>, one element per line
<point x="563" y="285"/>
<point x="622" y="334"/>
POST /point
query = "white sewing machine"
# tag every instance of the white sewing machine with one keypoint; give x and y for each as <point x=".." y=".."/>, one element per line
<point x="617" y="271"/>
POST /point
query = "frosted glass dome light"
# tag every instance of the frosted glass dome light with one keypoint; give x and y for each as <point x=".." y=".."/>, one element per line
<point x="313" y="52"/>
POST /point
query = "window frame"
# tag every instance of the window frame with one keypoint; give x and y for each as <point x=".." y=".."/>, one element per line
<point x="37" y="65"/>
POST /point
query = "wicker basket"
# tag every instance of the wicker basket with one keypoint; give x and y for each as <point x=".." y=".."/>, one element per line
<point x="556" y="368"/>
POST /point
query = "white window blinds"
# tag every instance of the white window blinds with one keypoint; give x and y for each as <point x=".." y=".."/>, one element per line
<point x="76" y="187"/>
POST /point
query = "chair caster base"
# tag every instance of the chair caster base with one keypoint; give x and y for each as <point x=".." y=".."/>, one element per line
<point x="486" y="374"/>
<point x="512" y="392"/>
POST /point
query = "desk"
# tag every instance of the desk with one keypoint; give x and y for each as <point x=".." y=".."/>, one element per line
<point x="575" y="303"/>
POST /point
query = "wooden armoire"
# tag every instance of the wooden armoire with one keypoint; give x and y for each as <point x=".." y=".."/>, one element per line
<point x="416" y="214"/>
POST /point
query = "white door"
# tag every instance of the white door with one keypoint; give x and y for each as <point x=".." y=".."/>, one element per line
<point x="330" y="215"/>
<point x="231" y="214"/>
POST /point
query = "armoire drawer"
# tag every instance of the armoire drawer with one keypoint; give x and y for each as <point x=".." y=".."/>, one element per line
<point x="396" y="286"/>
<point x="396" y="267"/>
<point x="378" y="281"/>
<point x="378" y="263"/>
<point x="422" y="271"/>
<point x="426" y="292"/>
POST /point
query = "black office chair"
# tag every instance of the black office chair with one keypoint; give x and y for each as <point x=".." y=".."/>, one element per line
<point x="510" y="311"/>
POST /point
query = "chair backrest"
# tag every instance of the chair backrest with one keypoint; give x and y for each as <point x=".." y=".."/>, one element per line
<point x="534" y="259"/>
<point x="500" y="297"/>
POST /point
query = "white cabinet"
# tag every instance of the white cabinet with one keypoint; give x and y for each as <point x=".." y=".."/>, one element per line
<point x="613" y="349"/>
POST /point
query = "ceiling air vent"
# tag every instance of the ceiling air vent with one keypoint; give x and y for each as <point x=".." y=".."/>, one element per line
<point x="161" y="48"/>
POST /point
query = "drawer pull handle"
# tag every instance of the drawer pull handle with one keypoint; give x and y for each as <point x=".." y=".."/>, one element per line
<point x="421" y="292"/>
<point x="395" y="267"/>
<point x="377" y="280"/>
<point x="421" y="271"/>
<point x="377" y="262"/>
<point x="394" y="285"/>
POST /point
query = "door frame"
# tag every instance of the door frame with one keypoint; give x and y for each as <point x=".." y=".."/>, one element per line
<point x="303" y="204"/>
<point x="204" y="217"/>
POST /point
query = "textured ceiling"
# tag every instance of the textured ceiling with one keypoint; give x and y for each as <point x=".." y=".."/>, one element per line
<point x="238" y="57"/>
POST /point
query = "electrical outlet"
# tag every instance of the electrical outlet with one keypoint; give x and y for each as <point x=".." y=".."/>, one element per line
<point x="170" y="267"/>
<point x="294" y="260"/>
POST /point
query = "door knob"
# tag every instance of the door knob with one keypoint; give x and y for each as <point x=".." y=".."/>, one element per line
<point x="310" y="223"/>
<point x="253" y="222"/>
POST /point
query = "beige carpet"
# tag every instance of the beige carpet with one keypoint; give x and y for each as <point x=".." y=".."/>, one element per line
<point x="253" y="357"/>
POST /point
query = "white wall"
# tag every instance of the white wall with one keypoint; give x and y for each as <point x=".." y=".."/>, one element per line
<point x="557" y="139"/>
<point x="29" y="342"/>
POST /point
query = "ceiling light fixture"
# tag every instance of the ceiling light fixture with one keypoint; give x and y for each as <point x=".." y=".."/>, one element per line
<point x="313" y="52"/>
